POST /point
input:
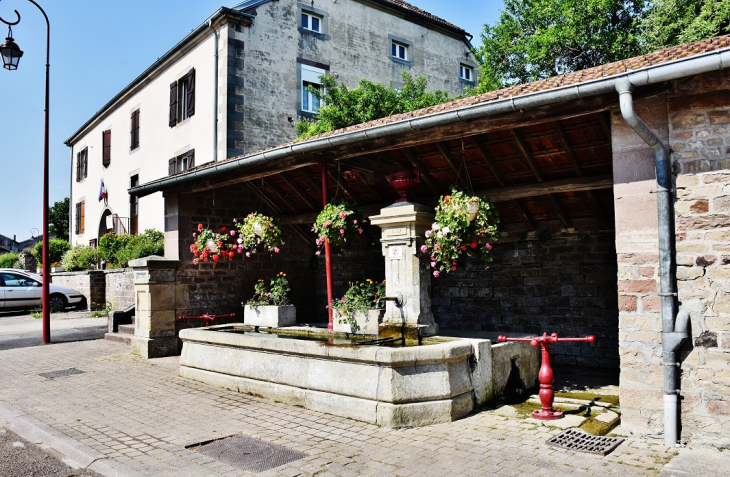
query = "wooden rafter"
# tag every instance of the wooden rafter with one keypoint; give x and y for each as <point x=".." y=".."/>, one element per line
<point x="363" y="163"/>
<point x="479" y="142"/>
<point x="558" y="210"/>
<point x="596" y="206"/>
<point x="308" y="240"/>
<point x="605" y="127"/>
<point x="451" y="161"/>
<point x="522" y="213"/>
<point x="341" y="183"/>
<point x="527" y="154"/>
<point x="425" y="176"/>
<point x="298" y="189"/>
<point x="369" y="187"/>
<point x="564" y="144"/>
<point x="280" y="193"/>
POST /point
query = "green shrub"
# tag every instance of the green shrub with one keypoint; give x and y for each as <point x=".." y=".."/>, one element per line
<point x="9" y="260"/>
<point x="81" y="257"/>
<point x="118" y="250"/>
<point x="56" y="249"/>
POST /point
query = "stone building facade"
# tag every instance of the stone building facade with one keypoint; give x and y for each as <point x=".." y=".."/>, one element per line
<point x="214" y="97"/>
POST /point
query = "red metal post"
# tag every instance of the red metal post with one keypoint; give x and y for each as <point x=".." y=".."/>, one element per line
<point x="546" y="375"/>
<point x="327" y="256"/>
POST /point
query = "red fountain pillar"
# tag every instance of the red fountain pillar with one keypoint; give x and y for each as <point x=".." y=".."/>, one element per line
<point x="546" y="376"/>
<point x="327" y="257"/>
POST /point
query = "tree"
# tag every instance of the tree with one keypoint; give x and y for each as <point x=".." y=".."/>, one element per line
<point x="673" y="22"/>
<point x="346" y="107"/>
<point x="56" y="248"/>
<point x="58" y="219"/>
<point x="536" y="39"/>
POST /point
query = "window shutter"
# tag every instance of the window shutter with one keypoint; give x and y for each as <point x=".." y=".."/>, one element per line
<point x="78" y="217"/>
<point x="191" y="92"/>
<point x="78" y="166"/>
<point x="191" y="158"/>
<point x="106" y="158"/>
<point x="171" y="166"/>
<point x="82" y="214"/>
<point x="85" y="165"/>
<point x="173" y="103"/>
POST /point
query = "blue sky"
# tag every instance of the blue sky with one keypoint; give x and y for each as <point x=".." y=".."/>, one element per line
<point x="97" y="48"/>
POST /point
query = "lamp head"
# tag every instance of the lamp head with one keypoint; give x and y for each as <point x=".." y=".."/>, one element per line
<point x="10" y="53"/>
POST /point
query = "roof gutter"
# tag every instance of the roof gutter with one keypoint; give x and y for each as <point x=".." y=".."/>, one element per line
<point x="713" y="61"/>
<point x="160" y="61"/>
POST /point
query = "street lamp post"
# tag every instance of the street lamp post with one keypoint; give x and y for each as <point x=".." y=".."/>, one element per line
<point x="11" y="55"/>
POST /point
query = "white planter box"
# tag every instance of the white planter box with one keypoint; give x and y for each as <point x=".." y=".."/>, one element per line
<point x="367" y="323"/>
<point x="271" y="316"/>
<point x="57" y="269"/>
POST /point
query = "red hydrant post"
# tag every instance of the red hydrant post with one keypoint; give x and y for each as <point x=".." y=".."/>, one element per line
<point x="546" y="376"/>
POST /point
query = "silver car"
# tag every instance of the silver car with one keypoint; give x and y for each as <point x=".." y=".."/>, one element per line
<point x="20" y="289"/>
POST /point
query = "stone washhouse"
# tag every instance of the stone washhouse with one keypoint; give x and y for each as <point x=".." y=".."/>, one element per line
<point x="613" y="189"/>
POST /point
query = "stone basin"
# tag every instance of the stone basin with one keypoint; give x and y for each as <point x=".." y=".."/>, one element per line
<point x="440" y="381"/>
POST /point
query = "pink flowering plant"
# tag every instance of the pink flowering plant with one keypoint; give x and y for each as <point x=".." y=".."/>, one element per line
<point x="464" y="223"/>
<point x="211" y="246"/>
<point x="359" y="297"/>
<point x="276" y="294"/>
<point x="257" y="231"/>
<point x="337" y="223"/>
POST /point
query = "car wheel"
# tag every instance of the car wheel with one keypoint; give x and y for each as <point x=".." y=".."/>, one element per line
<point x="58" y="303"/>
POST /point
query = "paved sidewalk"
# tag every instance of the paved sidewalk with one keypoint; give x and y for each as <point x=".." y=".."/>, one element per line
<point x="128" y="416"/>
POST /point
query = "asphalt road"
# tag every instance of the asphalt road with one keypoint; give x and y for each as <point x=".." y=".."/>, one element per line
<point x="20" y="458"/>
<point x="20" y="330"/>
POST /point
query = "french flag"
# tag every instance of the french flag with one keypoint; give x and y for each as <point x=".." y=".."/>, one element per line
<point x="102" y="191"/>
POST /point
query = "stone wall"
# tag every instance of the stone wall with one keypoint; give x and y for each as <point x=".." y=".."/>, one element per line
<point x="565" y="285"/>
<point x="693" y="118"/>
<point x="119" y="285"/>
<point x="91" y="284"/>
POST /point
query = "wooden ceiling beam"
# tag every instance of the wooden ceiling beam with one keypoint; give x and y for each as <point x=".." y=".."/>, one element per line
<point x="527" y="154"/>
<point x="597" y="210"/>
<point x="488" y="159"/>
<point x="522" y="213"/>
<point x="211" y="184"/>
<point x="451" y="161"/>
<point x="362" y="163"/>
<point x="425" y="176"/>
<point x="298" y="189"/>
<point x="558" y="210"/>
<point x="567" y="149"/>
<point x="576" y="184"/>
<point x="373" y="190"/>
<point x="279" y="193"/>
<point x="339" y="182"/>
<point x="605" y="126"/>
<point x="308" y="240"/>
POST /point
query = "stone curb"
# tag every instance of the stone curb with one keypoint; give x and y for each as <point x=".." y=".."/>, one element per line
<point x="72" y="452"/>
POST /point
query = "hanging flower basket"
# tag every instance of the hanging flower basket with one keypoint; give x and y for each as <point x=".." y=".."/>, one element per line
<point x="337" y="224"/>
<point x="463" y="223"/>
<point x="257" y="231"/>
<point x="211" y="246"/>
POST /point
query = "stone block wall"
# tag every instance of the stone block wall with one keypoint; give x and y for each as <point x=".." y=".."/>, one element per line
<point x="91" y="284"/>
<point x="119" y="285"/>
<point x="694" y="120"/>
<point x="565" y="285"/>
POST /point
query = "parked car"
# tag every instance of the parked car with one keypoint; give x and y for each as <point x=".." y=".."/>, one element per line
<point x="21" y="289"/>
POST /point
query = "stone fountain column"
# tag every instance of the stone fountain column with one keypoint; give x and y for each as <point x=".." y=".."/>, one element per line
<point x="407" y="270"/>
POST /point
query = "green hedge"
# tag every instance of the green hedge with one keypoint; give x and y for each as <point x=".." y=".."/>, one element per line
<point x="118" y="250"/>
<point x="9" y="260"/>
<point x="56" y="249"/>
<point x="81" y="257"/>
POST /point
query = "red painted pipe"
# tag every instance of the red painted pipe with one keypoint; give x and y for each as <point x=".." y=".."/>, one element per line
<point x="205" y="317"/>
<point x="327" y="256"/>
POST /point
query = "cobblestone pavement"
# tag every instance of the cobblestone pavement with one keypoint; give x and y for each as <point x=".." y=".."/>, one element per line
<point x="140" y="415"/>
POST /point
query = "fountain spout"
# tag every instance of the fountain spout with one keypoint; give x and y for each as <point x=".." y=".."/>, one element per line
<point x="398" y="299"/>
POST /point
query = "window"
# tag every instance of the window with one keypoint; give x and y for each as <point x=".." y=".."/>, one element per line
<point x="18" y="281"/>
<point x="82" y="164"/>
<point x="311" y="22"/>
<point x="133" y="207"/>
<point x="182" y="98"/>
<point x="134" y="143"/>
<point x="310" y="82"/>
<point x="80" y="212"/>
<point x="182" y="162"/>
<point x="466" y="73"/>
<point x="106" y="145"/>
<point x="399" y="50"/>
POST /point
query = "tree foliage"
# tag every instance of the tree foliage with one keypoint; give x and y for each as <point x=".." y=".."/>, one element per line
<point x="673" y="22"/>
<point x="9" y="260"/>
<point x="536" y="39"/>
<point x="344" y="106"/>
<point x="58" y="219"/>
<point x="118" y="250"/>
<point x="56" y="248"/>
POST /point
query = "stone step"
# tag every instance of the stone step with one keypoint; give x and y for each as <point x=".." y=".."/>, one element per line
<point x="125" y="338"/>
<point x="128" y="329"/>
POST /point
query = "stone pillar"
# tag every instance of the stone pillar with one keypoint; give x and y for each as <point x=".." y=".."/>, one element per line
<point x="407" y="271"/>
<point x="154" y="299"/>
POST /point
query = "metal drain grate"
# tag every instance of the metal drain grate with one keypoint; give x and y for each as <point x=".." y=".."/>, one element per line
<point x="579" y="441"/>
<point x="63" y="372"/>
<point x="248" y="453"/>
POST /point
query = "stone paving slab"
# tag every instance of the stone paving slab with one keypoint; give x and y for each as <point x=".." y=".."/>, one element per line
<point x="138" y="416"/>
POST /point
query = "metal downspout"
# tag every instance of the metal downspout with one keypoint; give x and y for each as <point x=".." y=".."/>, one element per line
<point x="215" y="92"/>
<point x="672" y="338"/>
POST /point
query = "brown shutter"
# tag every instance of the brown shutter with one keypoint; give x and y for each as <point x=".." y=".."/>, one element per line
<point x="134" y="142"/>
<point x="171" y="166"/>
<point x="83" y="213"/>
<point x="191" y="92"/>
<point x="78" y="218"/>
<point x="85" y="165"/>
<point x="173" y="104"/>
<point x="191" y="158"/>
<point x="78" y="166"/>
<point x="106" y="139"/>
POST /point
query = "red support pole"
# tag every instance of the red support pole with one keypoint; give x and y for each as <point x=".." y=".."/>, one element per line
<point x="327" y="256"/>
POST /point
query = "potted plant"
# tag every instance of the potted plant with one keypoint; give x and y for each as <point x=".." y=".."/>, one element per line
<point x="212" y="246"/>
<point x="270" y="305"/>
<point x="355" y="312"/>
<point x="255" y="231"/>
<point x="337" y="223"/>
<point x="464" y="223"/>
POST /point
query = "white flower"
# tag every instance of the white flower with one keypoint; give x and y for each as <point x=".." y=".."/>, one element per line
<point x="240" y="240"/>
<point x="439" y="234"/>
<point x="435" y="226"/>
<point x="446" y="230"/>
